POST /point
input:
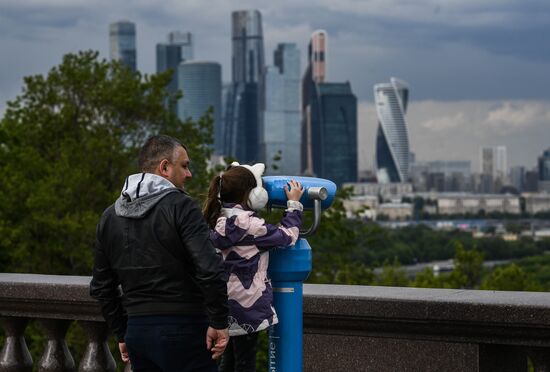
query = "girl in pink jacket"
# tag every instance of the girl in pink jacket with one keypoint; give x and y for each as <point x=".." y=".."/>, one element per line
<point x="244" y="240"/>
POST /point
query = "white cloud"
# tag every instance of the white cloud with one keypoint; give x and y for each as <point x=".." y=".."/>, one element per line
<point x="443" y="123"/>
<point x="515" y="117"/>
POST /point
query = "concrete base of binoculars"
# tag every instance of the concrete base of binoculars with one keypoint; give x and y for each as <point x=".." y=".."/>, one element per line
<point x="288" y="269"/>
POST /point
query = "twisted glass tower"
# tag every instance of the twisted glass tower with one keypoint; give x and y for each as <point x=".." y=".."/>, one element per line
<point x="392" y="139"/>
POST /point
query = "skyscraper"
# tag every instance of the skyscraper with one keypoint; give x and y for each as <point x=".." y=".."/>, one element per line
<point x="517" y="177"/>
<point x="544" y="171"/>
<point x="179" y="48"/>
<point x="317" y="55"/>
<point x="185" y="41"/>
<point x="315" y="73"/>
<point x="392" y="139"/>
<point x="494" y="169"/>
<point x="544" y="165"/>
<point x="122" y="39"/>
<point x="280" y="134"/>
<point x="245" y="99"/>
<point x="201" y="84"/>
<point x="334" y="132"/>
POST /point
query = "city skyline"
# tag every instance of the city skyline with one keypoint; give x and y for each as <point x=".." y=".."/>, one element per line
<point x="478" y="70"/>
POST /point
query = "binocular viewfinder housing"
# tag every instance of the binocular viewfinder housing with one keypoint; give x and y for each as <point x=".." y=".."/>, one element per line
<point x="318" y="194"/>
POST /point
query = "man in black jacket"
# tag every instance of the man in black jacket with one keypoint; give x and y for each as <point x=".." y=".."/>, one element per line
<point x="153" y="245"/>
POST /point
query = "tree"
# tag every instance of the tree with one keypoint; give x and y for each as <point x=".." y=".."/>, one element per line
<point x="468" y="268"/>
<point x="510" y="278"/>
<point x="393" y="275"/>
<point x="427" y="279"/>
<point x="66" y="145"/>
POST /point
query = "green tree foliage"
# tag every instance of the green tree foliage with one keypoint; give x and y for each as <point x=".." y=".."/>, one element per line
<point x="427" y="279"/>
<point x="510" y="278"/>
<point x="66" y="145"/>
<point x="538" y="268"/>
<point x="468" y="268"/>
<point x="392" y="275"/>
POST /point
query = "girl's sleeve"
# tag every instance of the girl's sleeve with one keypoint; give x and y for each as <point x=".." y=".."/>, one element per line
<point x="282" y="235"/>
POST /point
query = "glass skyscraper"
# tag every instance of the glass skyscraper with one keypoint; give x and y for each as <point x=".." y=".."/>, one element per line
<point x="179" y="48"/>
<point x="494" y="168"/>
<point x="315" y="73"/>
<point x="245" y="98"/>
<point x="201" y="84"/>
<point x="392" y="139"/>
<point x="334" y="132"/>
<point x="544" y="166"/>
<point x="122" y="39"/>
<point x="280" y="134"/>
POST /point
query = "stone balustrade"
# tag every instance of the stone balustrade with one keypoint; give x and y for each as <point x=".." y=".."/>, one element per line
<point x="361" y="328"/>
<point x="346" y="328"/>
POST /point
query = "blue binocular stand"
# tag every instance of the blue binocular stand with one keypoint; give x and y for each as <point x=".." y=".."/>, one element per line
<point x="289" y="268"/>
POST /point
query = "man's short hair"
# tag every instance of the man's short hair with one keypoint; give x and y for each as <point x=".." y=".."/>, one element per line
<point x="156" y="149"/>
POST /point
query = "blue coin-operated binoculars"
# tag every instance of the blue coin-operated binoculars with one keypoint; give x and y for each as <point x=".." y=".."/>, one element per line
<point x="288" y="268"/>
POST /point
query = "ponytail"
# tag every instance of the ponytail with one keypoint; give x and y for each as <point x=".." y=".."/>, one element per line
<point x="213" y="205"/>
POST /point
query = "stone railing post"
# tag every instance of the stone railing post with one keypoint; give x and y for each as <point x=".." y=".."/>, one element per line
<point x="97" y="356"/>
<point x="56" y="356"/>
<point x="15" y="356"/>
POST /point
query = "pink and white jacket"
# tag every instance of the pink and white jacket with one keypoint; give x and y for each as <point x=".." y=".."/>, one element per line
<point x="244" y="240"/>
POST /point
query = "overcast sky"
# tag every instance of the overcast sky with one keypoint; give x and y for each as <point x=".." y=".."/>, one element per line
<point x="478" y="70"/>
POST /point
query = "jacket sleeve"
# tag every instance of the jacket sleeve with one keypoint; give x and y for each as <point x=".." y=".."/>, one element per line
<point x="210" y="275"/>
<point x="245" y="230"/>
<point x="104" y="287"/>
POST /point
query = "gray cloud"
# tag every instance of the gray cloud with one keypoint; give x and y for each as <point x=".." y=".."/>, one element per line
<point x="478" y="69"/>
<point x="456" y="130"/>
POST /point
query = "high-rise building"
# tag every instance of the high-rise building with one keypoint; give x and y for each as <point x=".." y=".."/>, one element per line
<point x="544" y="171"/>
<point x="201" y="84"/>
<point x="245" y="99"/>
<point x="334" y="132"/>
<point x="544" y="166"/>
<point x="532" y="181"/>
<point x="179" y="48"/>
<point x="317" y="55"/>
<point x="185" y="41"/>
<point x="315" y="73"/>
<point x="494" y="168"/>
<point x="280" y="135"/>
<point x="493" y="161"/>
<point x="122" y="39"/>
<point x="517" y="177"/>
<point x="392" y="139"/>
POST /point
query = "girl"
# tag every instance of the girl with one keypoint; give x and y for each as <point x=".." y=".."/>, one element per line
<point x="244" y="240"/>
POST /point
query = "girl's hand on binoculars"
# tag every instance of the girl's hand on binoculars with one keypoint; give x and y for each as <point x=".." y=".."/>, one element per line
<point x="296" y="190"/>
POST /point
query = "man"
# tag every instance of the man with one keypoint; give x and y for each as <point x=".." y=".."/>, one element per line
<point x="154" y="243"/>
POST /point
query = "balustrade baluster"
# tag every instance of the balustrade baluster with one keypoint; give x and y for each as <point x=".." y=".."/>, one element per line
<point x="97" y="356"/>
<point x="56" y="356"/>
<point x="540" y="357"/>
<point x="15" y="356"/>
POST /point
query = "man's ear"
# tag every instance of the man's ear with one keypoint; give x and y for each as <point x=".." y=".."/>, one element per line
<point x="163" y="168"/>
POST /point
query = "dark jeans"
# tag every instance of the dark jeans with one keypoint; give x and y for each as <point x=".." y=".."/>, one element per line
<point x="240" y="354"/>
<point x="168" y="343"/>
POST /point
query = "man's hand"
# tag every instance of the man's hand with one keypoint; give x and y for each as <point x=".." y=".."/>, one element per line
<point x="123" y="352"/>
<point x="216" y="341"/>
